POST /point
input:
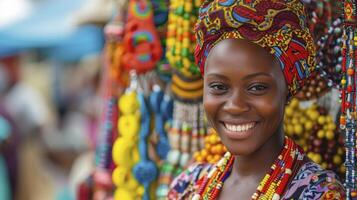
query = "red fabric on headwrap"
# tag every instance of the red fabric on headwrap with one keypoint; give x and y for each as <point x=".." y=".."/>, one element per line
<point x="276" y="25"/>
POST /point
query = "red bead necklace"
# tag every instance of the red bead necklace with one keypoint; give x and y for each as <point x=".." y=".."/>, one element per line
<point x="272" y="185"/>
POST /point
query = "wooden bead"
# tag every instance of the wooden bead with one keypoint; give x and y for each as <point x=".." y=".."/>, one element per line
<point x="350" y="71"/>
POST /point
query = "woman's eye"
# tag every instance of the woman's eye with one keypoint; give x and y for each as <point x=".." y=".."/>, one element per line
<point x="258" y="89"/>
<point x="217" y="87"/>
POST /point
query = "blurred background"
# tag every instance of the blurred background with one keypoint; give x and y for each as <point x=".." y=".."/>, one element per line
<point x="64" y="68"/>
<point x="50" y="60"/>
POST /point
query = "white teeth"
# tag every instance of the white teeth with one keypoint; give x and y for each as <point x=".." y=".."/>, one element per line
<point x="239" y="128"/>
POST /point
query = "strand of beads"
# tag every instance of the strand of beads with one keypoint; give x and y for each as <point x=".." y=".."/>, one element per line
<point x="103" y="159"/>
<point x="125" y="151"/>
<point x="213" y="149"/>
<point x="314" y="130"/>
<point x="186" y="120"/>
<point x="348" y="95"/>
<point x="211" y="184"/>
<point x="320" y="12"/>
<point x="112" y="80"/>
<point x="180" y="37"/>
<point x="329" y="54"/>
<point x="168" y="168"/>
<point x="145" y="171"/>
<point x="161" y="11"/>
<point x="271" y="186"/>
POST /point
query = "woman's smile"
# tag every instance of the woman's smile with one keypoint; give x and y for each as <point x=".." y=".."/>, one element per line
<point x="239" y="130"/>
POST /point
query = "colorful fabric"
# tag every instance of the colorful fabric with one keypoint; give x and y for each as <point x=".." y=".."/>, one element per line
<point x="309" y="183"/>
<point x="276" y="25"/>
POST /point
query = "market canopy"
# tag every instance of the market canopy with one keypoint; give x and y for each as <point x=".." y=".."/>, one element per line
<point x="51" y="25"/>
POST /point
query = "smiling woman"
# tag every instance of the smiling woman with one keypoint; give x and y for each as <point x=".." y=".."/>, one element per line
<point x="244" y="97"/>
<point x="254" y="56"/>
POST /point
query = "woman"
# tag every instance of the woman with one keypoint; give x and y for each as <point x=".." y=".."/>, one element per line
<point x="254" y="56"/>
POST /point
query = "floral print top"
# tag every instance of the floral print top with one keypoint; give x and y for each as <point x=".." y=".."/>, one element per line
<point x="311" y="182"/>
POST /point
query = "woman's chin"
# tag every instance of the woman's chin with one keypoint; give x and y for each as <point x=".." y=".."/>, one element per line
<point x="238" y="149"/>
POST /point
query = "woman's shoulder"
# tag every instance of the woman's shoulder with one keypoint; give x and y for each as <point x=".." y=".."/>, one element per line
<point x="184" y="184"/>
<point x="312" y="182"/>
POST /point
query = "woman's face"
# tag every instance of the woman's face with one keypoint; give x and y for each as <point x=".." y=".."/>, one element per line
<point x="244" y="95"/>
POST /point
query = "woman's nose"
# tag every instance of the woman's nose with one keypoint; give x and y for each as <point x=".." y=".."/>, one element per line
<point x="236" y="104"/>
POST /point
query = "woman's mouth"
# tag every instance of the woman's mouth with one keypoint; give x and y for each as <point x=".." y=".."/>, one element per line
<point x="239" y="127"/>
<point x="239" y="131"/>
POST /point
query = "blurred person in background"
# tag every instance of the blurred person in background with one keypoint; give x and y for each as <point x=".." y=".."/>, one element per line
<point x="9" y="141"/>
<point x="24" y="103"/>
<point x="25" y="107"/>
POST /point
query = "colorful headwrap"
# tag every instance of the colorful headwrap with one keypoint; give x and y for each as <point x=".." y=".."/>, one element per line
<point x="276" y="25"/>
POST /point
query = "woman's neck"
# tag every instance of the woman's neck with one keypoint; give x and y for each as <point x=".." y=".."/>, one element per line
<point x="258" y="163"/>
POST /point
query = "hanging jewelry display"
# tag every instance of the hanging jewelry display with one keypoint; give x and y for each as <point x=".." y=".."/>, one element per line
<point x="114" y="49"/>
<point x="161" y="105"/>
<point x="113" y="80"/>
<point x="125" y="150"/>
<point x="185" y="89"/>
<point x="315" y="131"/>
<point x="185" y="122"/>
<point x="213" y="149"/>
<point x="145" y="171"/>
<point x="320" y="14"/>
<point x="141" y="41"/>
<point x="187" y="127"/>
<point x="326" y="26"/>
<point x="348" y="95"/>
<point x="161" y="10"/>
<point x="180" y="37"/>
<point x="329" y="54"/>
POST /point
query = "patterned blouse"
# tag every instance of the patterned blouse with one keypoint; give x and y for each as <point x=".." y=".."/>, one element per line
<point x="311" y="182"/>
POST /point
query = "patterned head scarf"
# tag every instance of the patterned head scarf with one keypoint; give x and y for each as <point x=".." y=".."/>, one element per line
<point x="276" y="25"/>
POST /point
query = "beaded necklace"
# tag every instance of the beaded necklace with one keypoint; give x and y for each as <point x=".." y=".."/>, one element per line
<point x="125" y="153"/>
<point x="180" y="38"/>
<point x="272" y="185"/>
<point x="348" y="94"/>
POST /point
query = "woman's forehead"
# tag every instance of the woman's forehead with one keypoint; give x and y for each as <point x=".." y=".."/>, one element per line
<point x="239" y="53"/>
